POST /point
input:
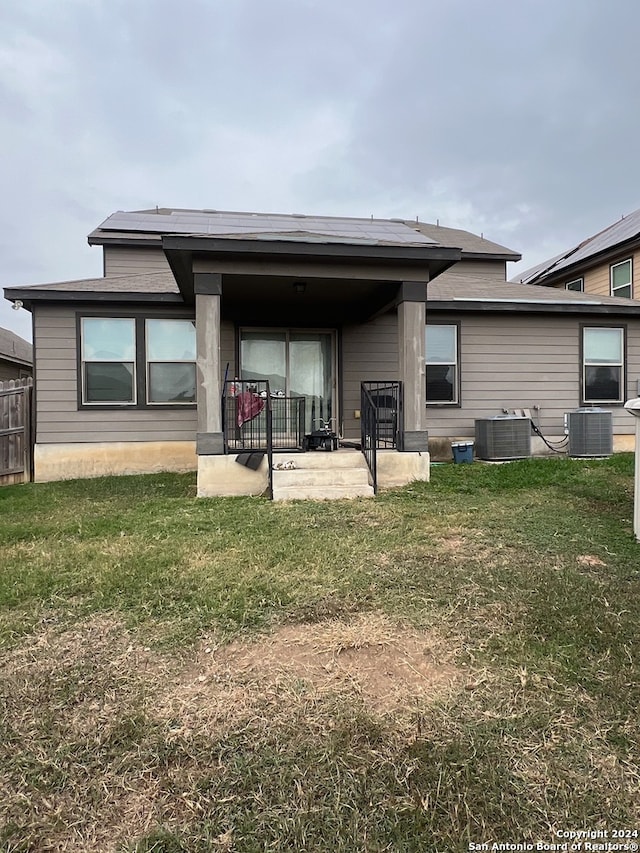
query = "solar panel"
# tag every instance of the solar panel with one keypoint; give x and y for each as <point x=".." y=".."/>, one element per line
<point x="269" y="226"/>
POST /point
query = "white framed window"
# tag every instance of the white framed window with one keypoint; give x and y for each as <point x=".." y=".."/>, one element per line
<point x="603" y="364"/>
<point x="622" y="279"/>
<point x="171" y="361"/>
<point x="108" y="355"/>
<point x="576" y="284"/>
<point x="442" y="364"/>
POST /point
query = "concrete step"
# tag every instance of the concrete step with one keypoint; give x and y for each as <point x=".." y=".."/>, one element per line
<point x="321" y="477"/>
<point x="300" y="491"/>
<point x="321" y="459"/>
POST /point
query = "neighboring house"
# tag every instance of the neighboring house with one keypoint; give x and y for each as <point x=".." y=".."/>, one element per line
<point x="607" y="264"/>
<point x="16" y="356"/>
<point x="131" y="367"/>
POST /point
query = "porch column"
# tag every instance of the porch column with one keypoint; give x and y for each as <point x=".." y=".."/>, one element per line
<point x="412" y="317"/>
<point x="208" y="292"/>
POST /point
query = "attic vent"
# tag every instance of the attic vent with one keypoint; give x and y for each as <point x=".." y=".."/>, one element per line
<point x="503" y="437"/>
<point x="590" y="432"/>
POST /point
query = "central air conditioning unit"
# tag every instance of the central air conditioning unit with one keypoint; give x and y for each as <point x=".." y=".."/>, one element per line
<point x="590" y="432"/>
<point x="503" y="437"/>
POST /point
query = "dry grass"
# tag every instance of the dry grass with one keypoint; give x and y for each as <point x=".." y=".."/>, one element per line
<point x="86" y="709"/>
<point x="106" y="740"/>
<point x="450" y="663"/>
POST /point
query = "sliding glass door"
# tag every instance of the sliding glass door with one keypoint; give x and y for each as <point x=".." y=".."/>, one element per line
<point x="296" y="364"/>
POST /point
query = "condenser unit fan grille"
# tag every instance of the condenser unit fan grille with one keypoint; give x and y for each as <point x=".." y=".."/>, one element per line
<point x="502" y="438"/>
<point x="590" y="432"/>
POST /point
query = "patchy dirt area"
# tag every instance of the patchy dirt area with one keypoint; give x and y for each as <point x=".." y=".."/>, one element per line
<point x="589" y="560"/>
<point x="386" y="665"/>
<point x="90" y="711"/>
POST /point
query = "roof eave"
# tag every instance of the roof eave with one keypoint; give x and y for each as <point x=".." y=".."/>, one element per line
<point x="14" y="359"/>
<point x="494" y="256"/>
<point x="28" y="296"/>
<point x="106" y="238"/>
<point x="530" y="307"/>
<point x="321" y="251"/>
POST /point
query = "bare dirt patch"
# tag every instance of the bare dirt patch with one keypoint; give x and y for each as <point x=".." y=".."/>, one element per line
<point x="589" y="560"/>
<point x="89" y="713"/>
<point x="387" y="665"/>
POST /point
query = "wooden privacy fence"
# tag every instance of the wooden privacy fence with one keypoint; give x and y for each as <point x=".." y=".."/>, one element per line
<point x="16" y="437"/>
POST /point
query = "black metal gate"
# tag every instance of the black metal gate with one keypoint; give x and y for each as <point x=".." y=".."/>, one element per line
<point x="380" y="421"/>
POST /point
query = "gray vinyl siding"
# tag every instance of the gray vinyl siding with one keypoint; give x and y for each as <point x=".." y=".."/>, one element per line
<point x="57" y="416"/>
<point x="515" y="362"/>
<point x="123" y="260"/>
<point x="369" y="352"/>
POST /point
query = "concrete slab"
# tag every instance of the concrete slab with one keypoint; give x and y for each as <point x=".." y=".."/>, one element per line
<point x="222" y="476"/>
<point x="69" y="461"/>
<point x="397" y="469"/>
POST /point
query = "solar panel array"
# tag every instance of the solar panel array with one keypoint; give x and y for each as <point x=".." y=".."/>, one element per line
<point x="624" y="229"/>
<point x="262" y="226"/>
<point x="621" y="231"/>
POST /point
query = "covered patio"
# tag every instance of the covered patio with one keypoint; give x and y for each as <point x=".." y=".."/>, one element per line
<point x="289" y="302"/>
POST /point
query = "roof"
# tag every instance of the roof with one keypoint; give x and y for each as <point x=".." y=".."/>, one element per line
<point x="265" y="226"/>
<point x="148" y="226"/>
<point x="143" y="287"/>
<point x="471" y="244"/>
<point x="462" y="292"/>
<point x="451" y="291"/>
<point x="14" y="348"/>
<point x="620" y="233"/>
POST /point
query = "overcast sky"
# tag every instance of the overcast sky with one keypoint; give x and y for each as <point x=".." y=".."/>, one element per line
<point x="516" y="118"/>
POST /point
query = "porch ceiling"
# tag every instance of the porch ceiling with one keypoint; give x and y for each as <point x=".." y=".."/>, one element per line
<point x="296" y="301"/>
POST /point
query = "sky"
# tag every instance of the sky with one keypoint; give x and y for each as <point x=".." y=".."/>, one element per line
<point x="518" y="119"/>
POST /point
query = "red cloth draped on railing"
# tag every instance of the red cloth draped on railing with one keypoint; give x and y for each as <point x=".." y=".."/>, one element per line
<point x="249" y="405"/>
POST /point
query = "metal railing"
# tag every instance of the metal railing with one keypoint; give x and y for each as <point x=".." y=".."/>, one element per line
<point x="380" y="421"/>
<point x="254" y="421"/>
<point x="247" y="421"/>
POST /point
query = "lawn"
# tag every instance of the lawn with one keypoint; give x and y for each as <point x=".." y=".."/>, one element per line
<point x="449" y="664"/>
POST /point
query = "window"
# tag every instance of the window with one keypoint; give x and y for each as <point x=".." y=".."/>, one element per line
<point x="171" y="361"/>
<point x="603" y="365"/>
<point x="442" y="364"/>
<point x="133" y="361"/>
<point x="577" y="284"/>
<point x="622" y="279"/>
<point x="108" y="360"/>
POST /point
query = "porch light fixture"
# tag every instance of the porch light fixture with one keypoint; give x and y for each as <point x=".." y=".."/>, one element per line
<point x="299" y="286"/>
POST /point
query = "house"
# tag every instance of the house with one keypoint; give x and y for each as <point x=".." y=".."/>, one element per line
<point x="131" y="368"/>
<point x="163" y="363"/>
<point x="16" y="356"/>
<point x="607" y="264"/>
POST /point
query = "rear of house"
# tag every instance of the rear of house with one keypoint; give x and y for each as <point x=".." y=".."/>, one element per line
<point x="132" y="369"/>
